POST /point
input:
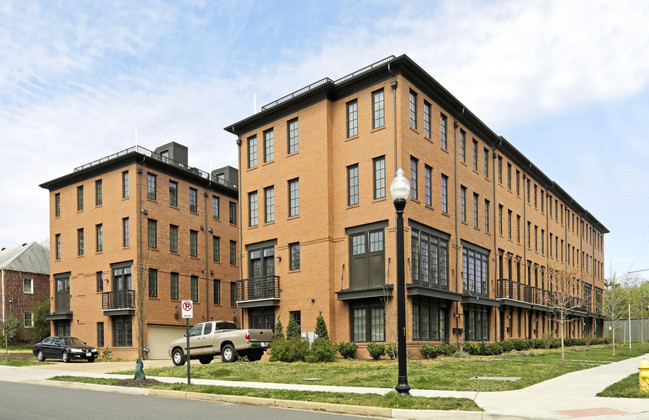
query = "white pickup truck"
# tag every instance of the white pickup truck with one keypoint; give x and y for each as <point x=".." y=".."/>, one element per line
<point x="208" y="339"/>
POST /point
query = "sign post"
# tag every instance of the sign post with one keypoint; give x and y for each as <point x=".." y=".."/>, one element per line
<point x="188" y="312"/>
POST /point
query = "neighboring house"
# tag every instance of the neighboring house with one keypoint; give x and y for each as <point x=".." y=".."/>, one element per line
<point x="25" y="281"/>
<point x="141" y="221"/>
<point x="485" y="228"/>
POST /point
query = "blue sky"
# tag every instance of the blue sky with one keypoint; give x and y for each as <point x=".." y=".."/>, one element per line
<point x="566" y="82"/>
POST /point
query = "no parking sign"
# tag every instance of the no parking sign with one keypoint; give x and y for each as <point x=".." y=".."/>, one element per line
<point x="187" y="308"/>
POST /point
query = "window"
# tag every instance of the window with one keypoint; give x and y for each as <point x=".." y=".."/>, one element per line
<point x="28" y="319"/>
<point x="216" y="249"/>
<point x="426" y="119"/>
<point x="379" y="177"/>
<point x="475" y="210"/>
<point x="475" y="269"/>
<point x="57" y="205"/>
<point x="173" y="238"/>
<point x="413" y="178"/>
<point x="217" y="292"/>
<point x="100" y="281"/>
<point x="476" y="323"/>
<point x="462" y="145"/>
<point x="174" y="286"/>
<point x="125" y="233"/>
<point x="486" y="163"/>
<point x="153" y="283"/>
<point x="215" y="207"/>
<point x="500" y="219"/>
<point x="233" y="252"/>
<point x="293" y="197"/>
<point x="442" y="130"/>
<point x="233" y="213"/>
<point x="193" y="203"/>
<point x="367" y="256"/>
<point x="194" y="288"/>
<point x="474" y="149"/>
<point x="80" y="198"/>
<point x="151" y="186"/>
<point x="378" y="109"/>
<point x="429" y="258"/>
<point x="368" y="321"/>
<point x="429" y="319"/>
<point x="529" y="235"/>
<point x="352" y="118"/>
<point x="100" y="334"/>
<point x="297" y="317"/>
<point x="252" y="151"/>
<point x="534" y="195"/>
<point x="509" y="225"/>
<point x="542" y="241"/>
<point x="413" y="109"/>
<point x="444" y="194"/>
<point x="428" y="188"/>
<point x="152" y="233"/>
<point x="518" y="185"/>
<point x="253" y="209"/>
<point x="269" y="204"/>
<point x="542" y="201"/>
<point x="486" y="215"/>
<point x="80" y="241"/>
<point x="536" y="234"/>
<point x="173" y="193"/>
<point x="28" y="286"/>
<point x="528" y="191"/>
<point x="509" y="176"/>
<point x="518" y="229"/>
<point x="122" y="329"/>
<point x="233" y="294"/>
<point x="269" y="145"/>
<point x="98" y="193"/>
<point x="293" y="136"/>
<point x="463" y="203"/>
<point x="500" y="170"/>
<point x="57" y="241"/>
<point x="294" y="253"/>
<point x="99" y="230"/>
<point x="352" y="185"/>
<point x="193" y="243"/>
<point x="125" y="184"/>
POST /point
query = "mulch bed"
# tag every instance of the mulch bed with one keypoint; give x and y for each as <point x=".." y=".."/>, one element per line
<point x="137" y="383"/>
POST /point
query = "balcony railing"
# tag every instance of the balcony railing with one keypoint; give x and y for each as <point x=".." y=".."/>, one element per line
<point x="118" y="299"/>
<point x="509" y="289"/>
<point x="258" y="288"/>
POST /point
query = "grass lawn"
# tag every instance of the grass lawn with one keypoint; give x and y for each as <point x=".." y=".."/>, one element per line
<point x="628" y="387"/>
<point x="447" y="373"/>
<point x="391" y="400"/>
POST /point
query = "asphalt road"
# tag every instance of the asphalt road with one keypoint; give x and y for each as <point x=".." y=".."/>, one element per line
<point x="25" y="401"/>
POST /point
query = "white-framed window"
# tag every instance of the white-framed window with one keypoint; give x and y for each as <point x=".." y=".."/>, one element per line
<point x="28" y="286"/>
<point x="28" y="319"/>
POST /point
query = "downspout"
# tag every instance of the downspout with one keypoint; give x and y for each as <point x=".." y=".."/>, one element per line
<point x="456" y="124"/>
<point x="139" y="251"/>
<point x="240" y="244"/>
<point x="3" y="295"/>
<point x="393" y="84"/>
<point x="525" y="237"/>
<point x="207" y="273"/>
<point x="495" y="227"/>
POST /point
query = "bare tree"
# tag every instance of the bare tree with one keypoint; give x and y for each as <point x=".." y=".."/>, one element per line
<point x="563" y="299"/>
<point x="615" y="299"/>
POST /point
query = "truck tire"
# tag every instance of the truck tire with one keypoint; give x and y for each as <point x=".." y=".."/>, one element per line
<point x="178" y="357"/>
<point x="228" y="354"/>
<point x="205" y="360"/>
<point x="254" y="355"/>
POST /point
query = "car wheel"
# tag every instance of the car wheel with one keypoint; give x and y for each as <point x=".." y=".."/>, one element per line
<point x="40" y="356"/>
<point x="178" y="357"/>
<point x="65" y="356"/>
<point x="228" y="354"/>
<point x="90" y="360"/>
<point x="205" y="360"/>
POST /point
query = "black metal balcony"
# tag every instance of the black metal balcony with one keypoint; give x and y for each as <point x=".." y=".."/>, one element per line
<point x="258" y="291"/>
<point x="118" y="302"/>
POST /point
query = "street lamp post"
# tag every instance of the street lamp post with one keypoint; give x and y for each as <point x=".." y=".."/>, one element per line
<point x="400" y="190"/>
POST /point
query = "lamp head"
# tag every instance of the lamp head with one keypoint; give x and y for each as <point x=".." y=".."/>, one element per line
<point x="400" y="187"/>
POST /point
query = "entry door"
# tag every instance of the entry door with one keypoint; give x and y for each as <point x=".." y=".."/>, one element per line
<point x="262" y="272"/>
<point x="502" y="325"/>
<point x="62" y="295"/>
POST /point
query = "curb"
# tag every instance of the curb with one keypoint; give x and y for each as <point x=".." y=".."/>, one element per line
<point x="355" y="410"/>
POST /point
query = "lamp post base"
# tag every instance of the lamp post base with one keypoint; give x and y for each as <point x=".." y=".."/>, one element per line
<point x="402" y="386"/>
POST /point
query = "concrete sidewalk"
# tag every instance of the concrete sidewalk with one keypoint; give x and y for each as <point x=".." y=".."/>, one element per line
<point x="568" y="396"/>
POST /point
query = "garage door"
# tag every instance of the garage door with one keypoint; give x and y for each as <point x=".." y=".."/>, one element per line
<point x="159" y="338"/>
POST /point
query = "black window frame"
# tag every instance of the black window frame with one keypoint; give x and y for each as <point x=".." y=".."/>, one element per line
<point x="378" y="108"/>
<point x="352" y="118"/>
<point x="153" y="283"/>
<point x="293" y="134"/>
<point x="151" y="186"/>
<point x="173" y="193"/>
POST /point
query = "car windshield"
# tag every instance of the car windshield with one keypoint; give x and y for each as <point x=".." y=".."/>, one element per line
<point x="73" y="341"/>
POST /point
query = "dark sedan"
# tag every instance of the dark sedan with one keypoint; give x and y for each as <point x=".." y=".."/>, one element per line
<point x="64" y="348"/>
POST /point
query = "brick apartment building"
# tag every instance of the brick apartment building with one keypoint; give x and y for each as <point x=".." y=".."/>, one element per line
<point x="141" y="226"/>
<point x="485" y="228"/>
<point x="25" y="274"/>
